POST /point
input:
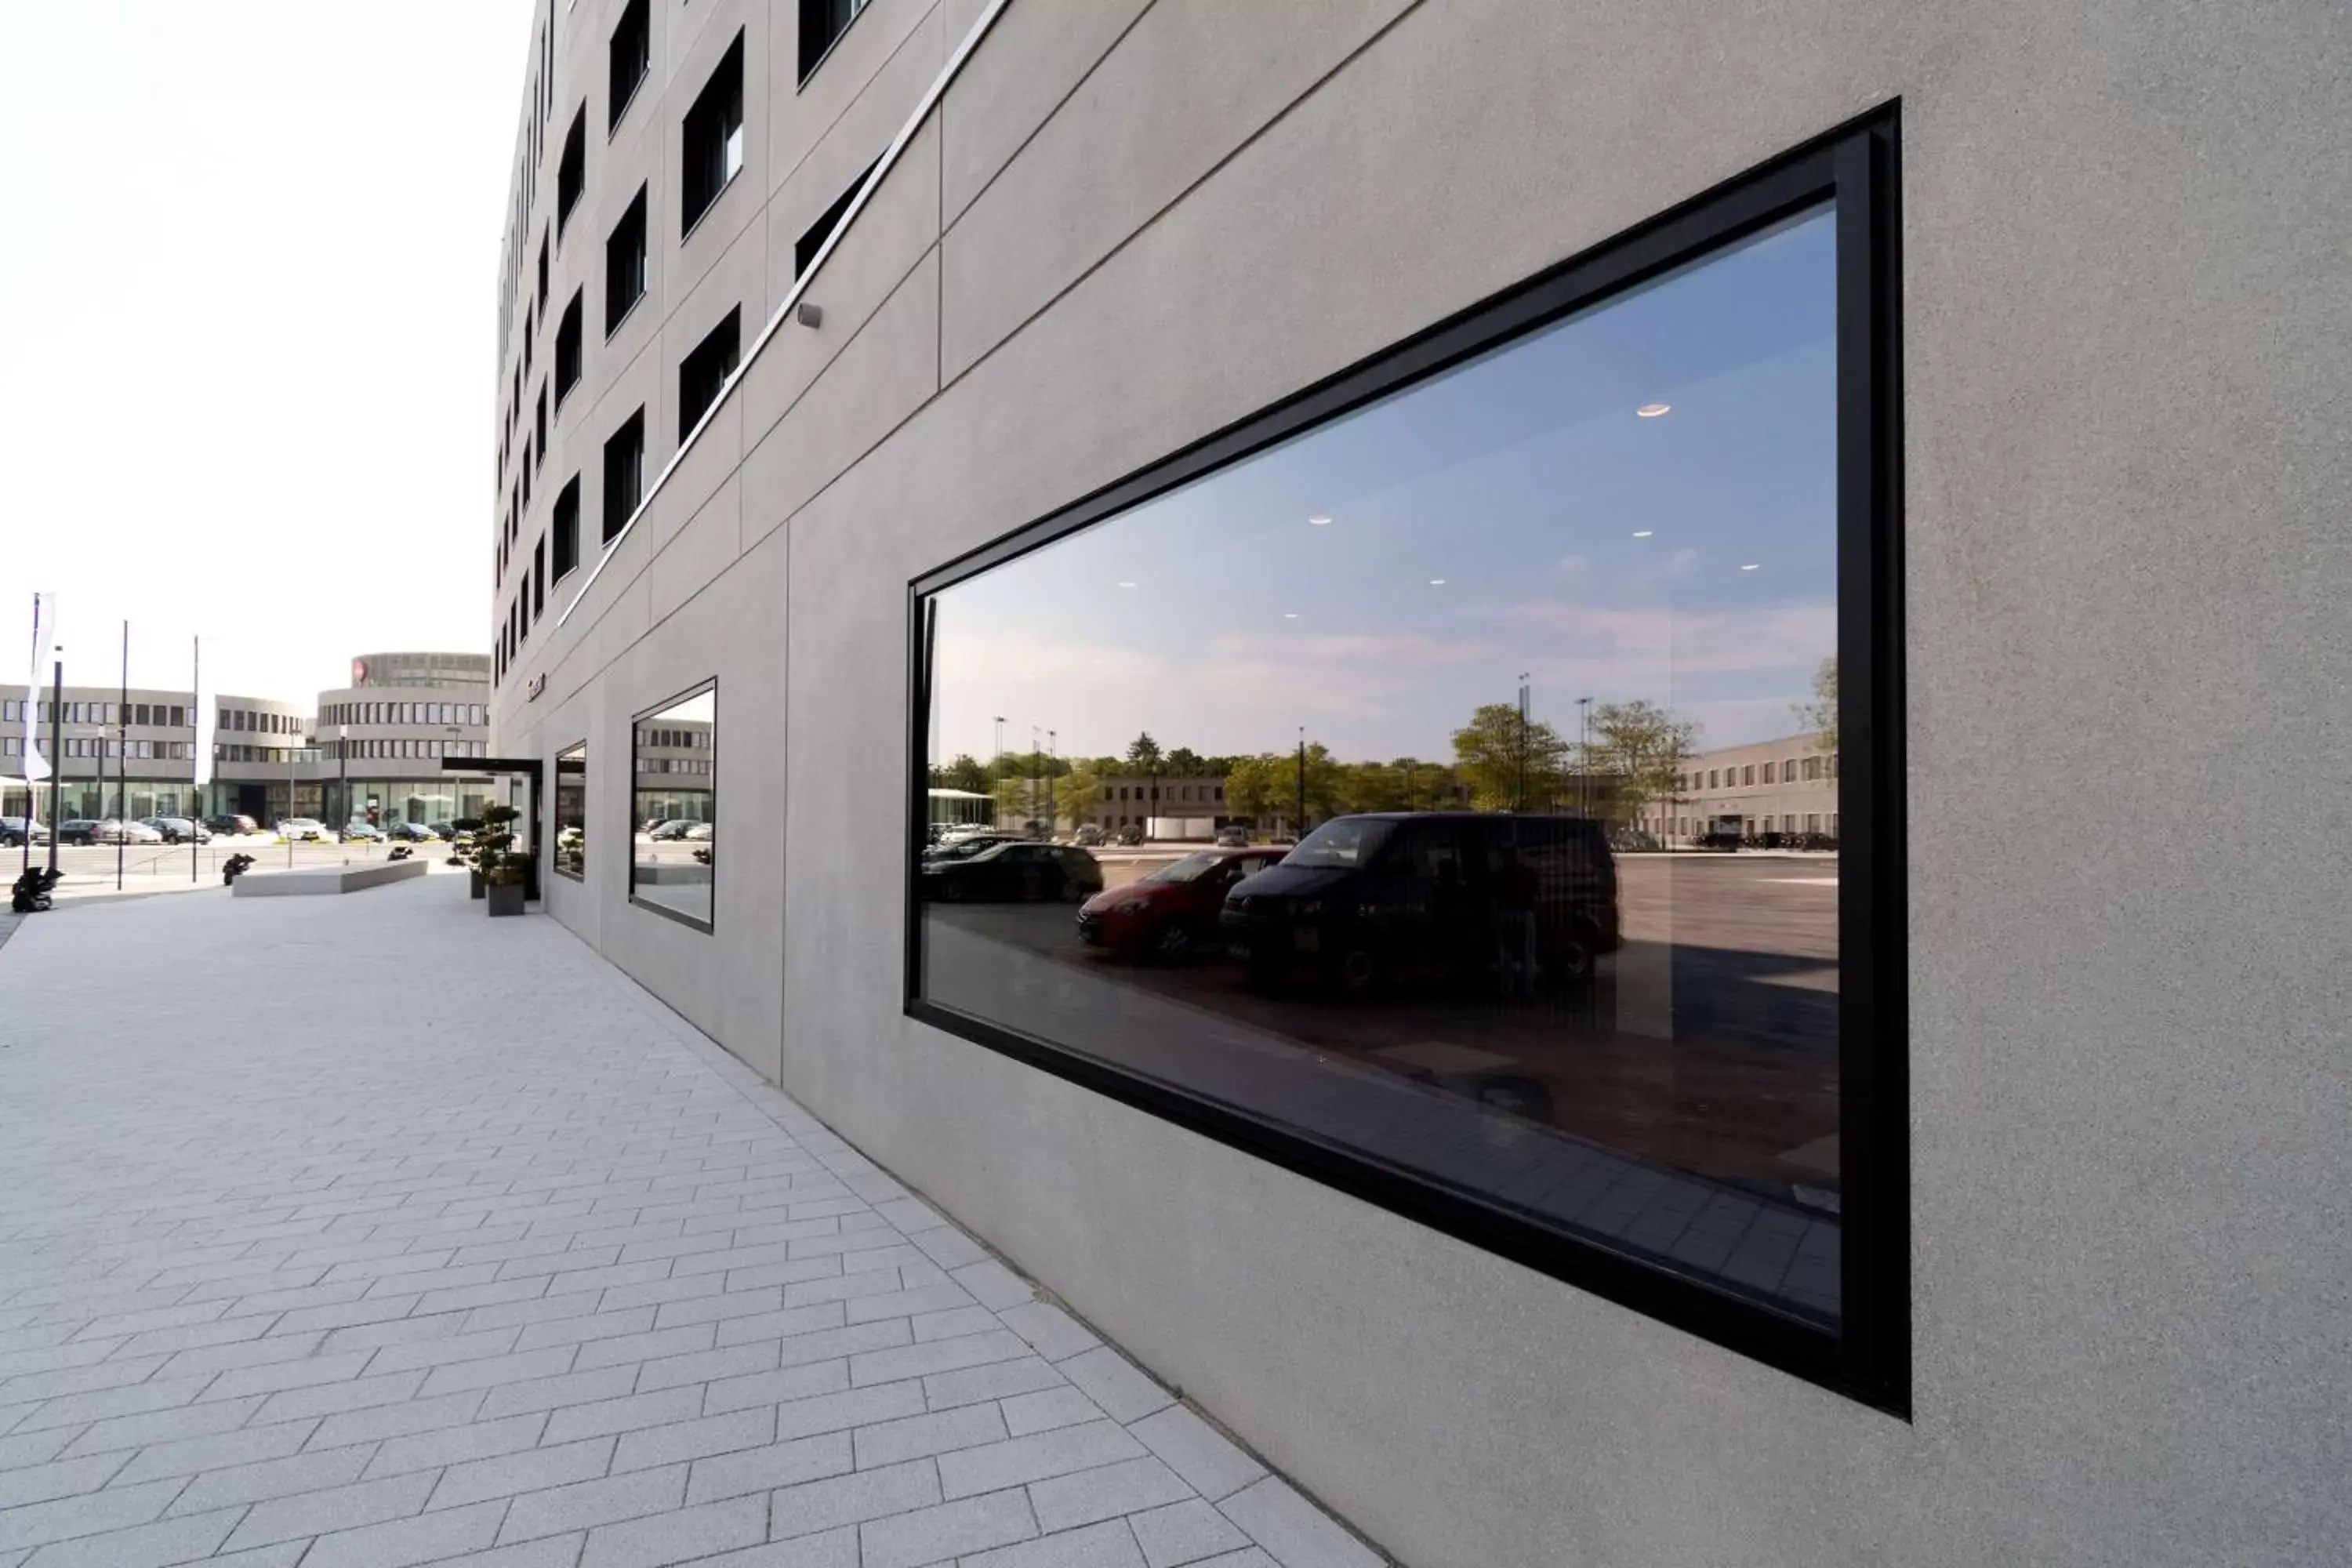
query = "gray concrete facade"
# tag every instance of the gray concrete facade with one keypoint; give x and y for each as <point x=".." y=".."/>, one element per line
<point x="1129" y="224"/>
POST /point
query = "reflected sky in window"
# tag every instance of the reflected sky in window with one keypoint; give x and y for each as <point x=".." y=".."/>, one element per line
<point x="1515" y="514"/>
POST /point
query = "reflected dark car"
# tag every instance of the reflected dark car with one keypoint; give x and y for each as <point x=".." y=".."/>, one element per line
<point x="970" y="844"/>
<point x="357" y="831"/>
<point x="1019" y="870"/>
<point x="179" y="830"/>
<point x="412" y="832"/>
<point x="444" y="831"/>
<point x="78" y="830"/>
<point x="14" y="830"/>
<point x="1367" y="900"/>
<point x="1172" y="913"/>
<point x="231" y="822"/>
<point x="675" y="828"/>
<point x="1233" y="837"/>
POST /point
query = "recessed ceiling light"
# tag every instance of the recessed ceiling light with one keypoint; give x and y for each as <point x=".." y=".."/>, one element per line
<point x="1751" y="566"/>
<point x="1643" y="532"/>
<point x="1290" y="614"/>
<point x="1437" y="582"/>
<point x="1652" y="410"/>
<point x="1319" y="520"/>
<point x="1127" y="585"/>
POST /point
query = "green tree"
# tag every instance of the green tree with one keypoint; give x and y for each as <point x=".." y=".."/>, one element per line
<point x="1143" y="752"/>
<point x="1186" y="762"/>
<point x="1014" y="795"/>
<point x="964" y="773"/>
<point x="1510" y="763"/>
<point x="1081" y="793"/>
<point x="1253" y="786"/>
<point x="1645" y="747"/>
<point x="1820" y="715"/>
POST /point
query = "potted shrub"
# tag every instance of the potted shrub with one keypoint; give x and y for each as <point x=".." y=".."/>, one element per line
<point x="461" y="852"/>
<point x="502" y="873"/>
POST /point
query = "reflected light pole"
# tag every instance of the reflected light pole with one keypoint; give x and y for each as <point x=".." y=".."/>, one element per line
<point x="1584" y="756"/>
<point x="1519" y="790"/>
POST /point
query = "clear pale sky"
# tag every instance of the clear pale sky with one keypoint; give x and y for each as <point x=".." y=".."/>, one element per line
<point x="248" y="329"/>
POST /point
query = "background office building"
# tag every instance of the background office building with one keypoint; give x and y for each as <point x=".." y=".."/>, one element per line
<point x="1524" y="388"/>
<point x="382" y="740"/>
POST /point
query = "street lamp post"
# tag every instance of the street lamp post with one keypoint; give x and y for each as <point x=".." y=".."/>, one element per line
<point x="1584" y="756"/>
<point x="1519" y="791"/>
<point x="343" y="772"/>
<point x="1052" y="781"/>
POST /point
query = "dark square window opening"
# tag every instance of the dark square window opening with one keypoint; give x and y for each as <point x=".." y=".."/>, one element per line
<point x="711" y="150"/>
<point x="630" y="56"/>
<point x="702" y="374"/>
<point x="542" y="293"/>
<point x="813" y="239"/>
<point x="568" y="348"/>
<point x="539" y="428"/>
<point x="624" y="264"/>
<point x="571" y="169"/>
<point x="566" y="528"/>
<point x="823" y="22"/>
<point x="625" y="474"/>
<point x="1696" y="1107"/>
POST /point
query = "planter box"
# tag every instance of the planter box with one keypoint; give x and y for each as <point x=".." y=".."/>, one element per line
<point x="507" y="898"/>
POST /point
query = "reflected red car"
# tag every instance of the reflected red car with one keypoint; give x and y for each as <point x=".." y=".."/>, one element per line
<point x="1172" y="913"/>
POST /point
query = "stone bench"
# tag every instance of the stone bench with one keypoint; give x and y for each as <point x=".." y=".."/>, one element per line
<point x="326" y="879"/>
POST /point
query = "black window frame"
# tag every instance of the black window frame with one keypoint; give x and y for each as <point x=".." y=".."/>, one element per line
<point x="563" y="531"/>
<point x="700" y="368"/>
<point x="626" y="268"/>
<point x="816" y="44"/>
<point x="570" y="347"/>
<point x="571" y="171"/>
<point x="628" y="60"/>
<point x="615" y="518"/>
<point x="1868" y="1357"/>
<point x="703" y="132"/>
<point x="630" y="826"/>
<point x="572" y="759"/>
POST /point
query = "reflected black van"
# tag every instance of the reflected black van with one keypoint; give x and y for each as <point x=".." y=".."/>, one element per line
<point x="1386" y="896"/>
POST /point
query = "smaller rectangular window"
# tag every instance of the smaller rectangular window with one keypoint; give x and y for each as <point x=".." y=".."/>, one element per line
<point x="566" y="528"/>
<point x="813" y="239"/>
<point x="629" y="57"/>
<point x="542" y="297"/>
<point x="539" y="429"/>
<point x="571" y="169"/>
<point x="703" y="374"/>
<point x="624" y="473"/>
<point x="821" y="22"/>
<point x="624" y="264"/>
<point x="572" y="812"/>
<point x="711" y="149"/>
<point x="567" y="348"/>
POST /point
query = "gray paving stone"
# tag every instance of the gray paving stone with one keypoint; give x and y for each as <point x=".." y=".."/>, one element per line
<point x="659" y="1408"/>
<point x="62" y="1479"/>
<point x="1067" y="1501"/>
<point x="569" y="1388"/>
<point x="61" y="1519"/>
<point x="455" y="1445"/>
<point x="141" y="1546"/>
<point x="939" y="1355"/>
<point x="852" y="1499"/>
<point x="999" y="1381"/>
<point x="398" y="1544"/>
<point x="396" y="1420"/>
<point x="327" y="1398"/>
<point x="949" y="1530"/>
<point x="1106" y="1545"/>
<point x="1184" y="1532"/>
<point x="1051" y="1332"/>
<point x="1209" y="1461"/>
<point x="762" y="1469"/>
<point x="527" y="1471"/>
<point x="688" y="1532"/>
<point x="1115" y="1383"/>
<point x="1046" y="1409"/>
<point x="914" y="1436"/>
<point x="1293" y="1531"/>
<point x="587" y="1504"/>
<point x="264" y="1478"/>
<point x="647" y="1447"/>
<point x="161" y="1426"/>
<point x="336" y="1508"/>
<point x="1039" y="1456"/>
<point x="548" y="1552"/>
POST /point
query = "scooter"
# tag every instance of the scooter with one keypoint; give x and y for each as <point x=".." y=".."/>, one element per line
<point x="32" y="892"/>
<point x="232" y="868"/>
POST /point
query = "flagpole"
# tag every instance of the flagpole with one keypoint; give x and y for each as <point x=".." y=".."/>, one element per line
<point x="57" y="749"/>
<point x="195" y="694"/>
<point x="121" y="763"/>
<point x="32" y="730"/>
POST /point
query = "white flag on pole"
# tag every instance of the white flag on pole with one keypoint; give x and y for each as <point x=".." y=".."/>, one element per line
<point x="36" y="686"/>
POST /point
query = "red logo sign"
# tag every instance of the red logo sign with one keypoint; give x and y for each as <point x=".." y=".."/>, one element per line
<point x="359" y="672"/>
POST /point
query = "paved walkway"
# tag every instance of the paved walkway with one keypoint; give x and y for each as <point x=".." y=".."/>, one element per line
<point x="356" y="1232"/>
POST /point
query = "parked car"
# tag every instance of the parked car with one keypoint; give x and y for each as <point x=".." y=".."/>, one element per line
<point x="444" y="831"/>
<point x="1019" y="869"/>
<point x="105" y="830"/>
<point x="230" y="822"/>
<point x="1088" y="835"/>
<point x="1131" y="834"/>
<point x="675" y="828"/>
<point x="76" y="830"/>
<point x="698" y="832"/>
<point x="411" y="832"/>
<point x="305" y="830"/>
<point x="356" y="831"/>
<point x="1233" y="837"/>
<point x="14" y="831"/>
<point x="970" y="844"/>
<point x="1372" y="898"/>
<point x="1172" y="913"/>
<point x="179" y="830"/>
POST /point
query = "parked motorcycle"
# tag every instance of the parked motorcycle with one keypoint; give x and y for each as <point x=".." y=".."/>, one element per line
<point x="33" y="889"/>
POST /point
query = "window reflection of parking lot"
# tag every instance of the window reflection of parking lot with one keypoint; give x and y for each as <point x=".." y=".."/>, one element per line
<point x="1707" y="1045"/>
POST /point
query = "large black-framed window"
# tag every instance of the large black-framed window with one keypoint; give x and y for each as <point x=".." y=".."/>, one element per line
<point x="711" y="138"/>
<point x="570" y="826"/>
<point x="673" y="807"/>
<point x="1471" y="616"/>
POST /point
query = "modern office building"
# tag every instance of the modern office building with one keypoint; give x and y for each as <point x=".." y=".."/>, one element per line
<point x="373" y="749"/>
<point x="872" y="376"/>
<point x="1781" y="786"/>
